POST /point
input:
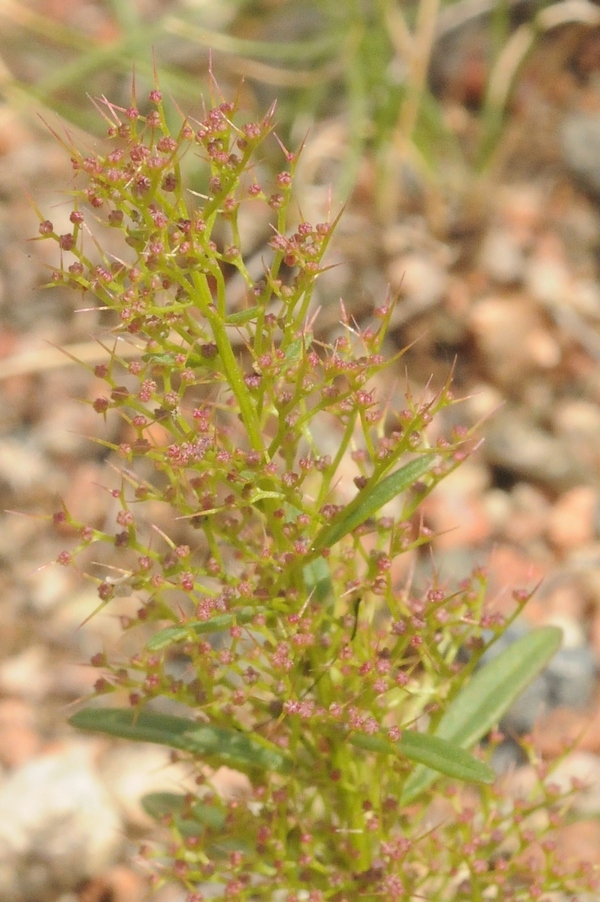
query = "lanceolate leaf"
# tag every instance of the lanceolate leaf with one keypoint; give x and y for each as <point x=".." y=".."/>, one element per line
<point x="169" y="804"/>
<point x="197" y="819"/>
<point x="215" y="744"/>
<point x="488" y="696"/>
<point x="495" y="686"/>
<point x="318" y="579"/>
<point x="371" y="499"/>
<point x="443" y="756"/>
<point x="172" y="634"/>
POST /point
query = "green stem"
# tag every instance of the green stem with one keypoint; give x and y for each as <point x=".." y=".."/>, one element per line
<point x="230" y="365"/>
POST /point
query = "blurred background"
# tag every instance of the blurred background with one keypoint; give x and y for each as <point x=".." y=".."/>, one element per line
<point x="464" y="139"/>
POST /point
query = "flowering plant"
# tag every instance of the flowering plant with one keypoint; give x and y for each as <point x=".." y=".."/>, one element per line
<point x="273" y="617"/>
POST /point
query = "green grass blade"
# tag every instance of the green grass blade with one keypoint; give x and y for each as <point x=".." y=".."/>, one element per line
<point x="308" y="53"/>
<point x="215" y="744"/>
<point x="126" y="14"/>
<point x="487" y="697"/>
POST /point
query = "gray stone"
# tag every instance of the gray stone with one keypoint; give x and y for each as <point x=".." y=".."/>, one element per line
<point x="518" y="446"/>
<point x="580" y="139"/>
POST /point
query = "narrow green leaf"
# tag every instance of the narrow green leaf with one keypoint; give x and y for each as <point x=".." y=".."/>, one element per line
<point x="170" y="804"/>
<point x="195" y="820"/>
<point x="242" y="316"/>
<point x="261" y="494"/>
<point x="372" y="743"/>
<point x="496" y="685"/>
<point x="216" y="744"/>
<point x="371" y="499"/>
<point x="487" y="697"/>
<point x="173" y="634"/>
<point x="444" y="757"/>
<point x="318" y="579"/>
<point x="439" y="754"/>
<point x="292" y="352"/>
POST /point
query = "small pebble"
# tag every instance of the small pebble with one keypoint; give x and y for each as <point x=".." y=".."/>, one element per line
<point x="523" y="449"/>
<point x="419" y="279"/>
<point x="502" y="257"/>
<point x="572" y="520"/>
<point x="580" y="138"/>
